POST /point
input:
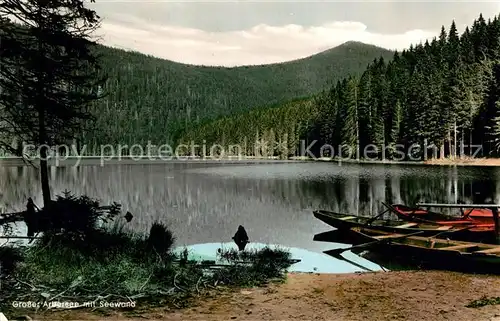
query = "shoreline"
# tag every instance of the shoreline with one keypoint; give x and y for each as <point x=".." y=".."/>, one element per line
<point x="408" y="295"/>
<point x="129" y="160"/>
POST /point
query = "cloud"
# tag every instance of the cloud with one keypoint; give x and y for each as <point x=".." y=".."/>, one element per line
<point x="260" y="44"/>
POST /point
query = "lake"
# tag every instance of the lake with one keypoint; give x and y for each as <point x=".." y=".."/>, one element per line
<point x="205" y="202"/>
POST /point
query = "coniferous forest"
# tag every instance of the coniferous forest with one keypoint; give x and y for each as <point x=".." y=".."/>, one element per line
<point x="152" y="99"/>
<point x="444" y="92"/>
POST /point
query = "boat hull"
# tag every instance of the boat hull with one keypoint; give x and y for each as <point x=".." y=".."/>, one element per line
<point x="483" y="234"/>
<point x="420" y="258"/>
<point x="474" y="216"/>
<point x="417" y="251"/>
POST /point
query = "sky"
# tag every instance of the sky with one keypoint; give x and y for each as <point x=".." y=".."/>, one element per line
<point x="233" y="33"/>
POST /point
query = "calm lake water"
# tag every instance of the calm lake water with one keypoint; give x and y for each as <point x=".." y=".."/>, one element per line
<point x="205" y="203"/>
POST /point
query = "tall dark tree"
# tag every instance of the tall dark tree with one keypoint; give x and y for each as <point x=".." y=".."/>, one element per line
<point x="442" y="37"/>
<point x="479" y="35"/>
<point x="453" y="52"/>
<point x="350" y="128"/>
<point x="396" y="123"/>
<point x="467" y="47"/>
<point x="380" y="103"/>
<point x="489" y="112"/>
<point x="329" y="116"/>
<point x="365" y="109"/>
<point x="49" y="74"/>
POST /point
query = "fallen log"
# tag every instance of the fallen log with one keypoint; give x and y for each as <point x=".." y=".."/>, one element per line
<point x="11" y="214"/>
<point x="20" y="237"/>
<point x="6" y="218"/>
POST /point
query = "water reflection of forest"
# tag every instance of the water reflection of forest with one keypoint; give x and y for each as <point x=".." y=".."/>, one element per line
<point x="152" y="187"/>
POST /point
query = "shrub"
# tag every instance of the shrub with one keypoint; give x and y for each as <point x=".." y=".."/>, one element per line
<point x="160" y="239"/>
<point x="9" y="257"/>
<point x="76" y="216"/>
<point x="77" y="258"/>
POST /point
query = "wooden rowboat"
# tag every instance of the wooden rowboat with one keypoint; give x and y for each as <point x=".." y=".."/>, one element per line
<point x="428" y="252"/>
<point x="476" y="233"/>
<point x="415" y="214"/>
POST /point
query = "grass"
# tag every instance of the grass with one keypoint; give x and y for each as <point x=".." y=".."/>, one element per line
<point x="117" y="265"/>
<point x="113" y="264"/>
<point x="484" y="301"/>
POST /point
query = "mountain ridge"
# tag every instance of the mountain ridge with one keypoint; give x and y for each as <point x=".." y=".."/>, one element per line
<point x="322" y="52"/>
<point x="152" y="99"/>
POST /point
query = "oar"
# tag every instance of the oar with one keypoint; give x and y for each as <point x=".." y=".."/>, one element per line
<point x="451" y="230"/>
<point x="394" y="211"/>
<point x="340" y="257"/>
<point x="335" y="252"/>
<point x="390" y="208"/>
<point x="370" y="221"/>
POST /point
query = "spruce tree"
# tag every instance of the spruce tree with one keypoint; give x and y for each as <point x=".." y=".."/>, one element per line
<point x="397" y="118"/>
<point x="453" y="46"/>
<point x="350" y="129"/>
<point x="493" y="130"/>
<point x="48" y="75"/>
<point x="365" y="109"/>
<point x="467" y="47"/>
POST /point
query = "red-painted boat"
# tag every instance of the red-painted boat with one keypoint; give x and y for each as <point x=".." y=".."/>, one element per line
<point x="478" y="217"/>
<point x="479" y="214"/>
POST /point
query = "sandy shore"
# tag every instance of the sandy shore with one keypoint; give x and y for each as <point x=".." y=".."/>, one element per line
<point x="411" y="296"/>
<point x="466" y="161"/>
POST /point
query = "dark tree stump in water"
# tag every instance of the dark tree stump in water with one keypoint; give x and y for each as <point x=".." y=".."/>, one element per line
<point x="241" y="238"/>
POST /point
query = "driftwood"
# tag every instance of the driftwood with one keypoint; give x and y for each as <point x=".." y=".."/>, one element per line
<point x="19" y="237"/>
<point x="12" y="214"/>
<point x="6" y="218"/>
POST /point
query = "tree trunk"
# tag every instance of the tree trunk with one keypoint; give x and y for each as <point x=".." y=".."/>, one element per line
<point x="450" y="148"/>
<point x="455" y="184"/>
<point x="19" y="148"/>
<point x="44" y="176"/>
<point x="44" y="171"/>
<point x="357" y="123"/>
<point x="424" y="149"/>
<point x="462" y="141"/>
<point x="470" y="142"/>
<point x="42" y="133"/>
<point x="497" y="224"/>
<point x="455" y="139"/>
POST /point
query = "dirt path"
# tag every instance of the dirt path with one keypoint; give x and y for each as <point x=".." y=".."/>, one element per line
<point x="409" y="296"/>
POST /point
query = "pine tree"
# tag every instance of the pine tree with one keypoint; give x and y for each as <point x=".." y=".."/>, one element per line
<point x="328" y="117"/>
<point x="49" y="74"/>
<point x="486" y="124"/>
<point x="350" y="130"/>
<point x="443" y="37"/>
<point x="396" y="123"/>
<point x="365" y="109"/>
<point x="494" y="130"/>
<point x="467" y="47"/>
<point x="479" y="37"/>
<point x="493" y="31"/>
<point x="380" y="104"/>
<point x="453" y="46"/>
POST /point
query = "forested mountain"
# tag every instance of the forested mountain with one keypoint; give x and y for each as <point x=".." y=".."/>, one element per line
<point x="272" y="131"/>
<point x="151" y="99"/>
<point x="444" y="92"/>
